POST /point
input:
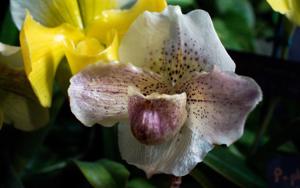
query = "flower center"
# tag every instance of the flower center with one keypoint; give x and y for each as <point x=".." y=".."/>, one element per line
<point x="89" y="46"/>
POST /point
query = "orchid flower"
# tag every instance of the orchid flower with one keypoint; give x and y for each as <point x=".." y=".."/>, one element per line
<point x="290" y="8"/>
<point x="176" y="95"/>
<point x="18" y="104"/>
<point x="86" y="31"/>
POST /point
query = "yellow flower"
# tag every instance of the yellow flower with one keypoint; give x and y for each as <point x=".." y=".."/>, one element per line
<point x="290" y="8"/>
<point x="84" y="31"/>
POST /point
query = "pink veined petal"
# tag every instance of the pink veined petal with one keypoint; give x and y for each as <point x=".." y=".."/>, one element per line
<point x="218" y="104"/>
<point x="99" y="93"/>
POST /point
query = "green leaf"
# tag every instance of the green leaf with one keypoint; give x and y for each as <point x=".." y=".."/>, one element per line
<point x="9" y="33"/>
<point x="235" y="24"/>
<point x="288" y="147"/>
<point x="26" y="145"/>
<point x="240" y="8"/>
<point x="182" y="3"/>
<point x="233" y="168"/>
<point x="201" y="178"/>
<point x="225" y="34"/>
<point x="104" y="173"/>
<point x="138" y="183"/>
<point x="9" y="178"/>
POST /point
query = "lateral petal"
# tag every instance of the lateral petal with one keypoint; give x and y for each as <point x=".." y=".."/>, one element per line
<point x="218" y="104"/>
<point x="99" y="93"/>
<point x="174" y="44"/>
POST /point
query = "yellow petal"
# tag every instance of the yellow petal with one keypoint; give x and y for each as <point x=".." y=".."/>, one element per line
<point x="91" y="9"/>
<point x="122" y="19"/>
<point x="281" y="6"/>
<point x="290" y="8"/>
<point x="89" y="51"/>
<point x="294" y="13"/>
<point x="43" y="49"/>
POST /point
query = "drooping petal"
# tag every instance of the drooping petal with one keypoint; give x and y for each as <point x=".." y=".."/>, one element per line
<point x="177" y="156"/>
<point x="23" y="113"/>
<point x="89" y="51"/>
<point x="120" y="20"/>
<point x="174" y="44"/>
<point x="98" y="94"/>
<point x="43" y="49"/>
<point x="290" y="8"/>
<point x="7" y="50"/>
<point x="19" y="105"/>
<point x="48" y="12"/>
<point x="14" y="80"/>
<point x="155" y="118"/>
<point x="11" y="56"/>
<point x="218" y="104"/>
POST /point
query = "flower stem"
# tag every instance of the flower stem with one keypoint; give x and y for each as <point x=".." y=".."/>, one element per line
<point x="265" y="123"/>
<point x="176" y="181"/>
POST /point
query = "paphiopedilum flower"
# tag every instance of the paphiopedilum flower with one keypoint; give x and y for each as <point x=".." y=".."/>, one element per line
<point x="86" y="31"/>
<point x="290" y="8"/>
<point x="176" y="97"/>
<point x="18" y="104"/>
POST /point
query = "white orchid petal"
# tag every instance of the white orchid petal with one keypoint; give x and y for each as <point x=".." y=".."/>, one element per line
<point x="174" y="44"/>
<point x="98" y="94"/>
<point x="218" y="104"/>
<point x="177" y="156"/>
